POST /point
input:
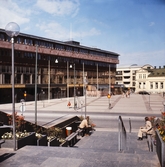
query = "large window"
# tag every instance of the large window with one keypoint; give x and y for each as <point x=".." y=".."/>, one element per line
<point x="161" y="85"/>
<point x="156" y="85"/>
<point x="7" y="79"/>
<point x="151" y="85"/>
<point x="144" y="76"/>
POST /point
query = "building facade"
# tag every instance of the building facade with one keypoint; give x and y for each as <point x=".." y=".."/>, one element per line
<point x="151" y="80"/>
<point x="53" y="79"/>
<point x="126" y="76"/>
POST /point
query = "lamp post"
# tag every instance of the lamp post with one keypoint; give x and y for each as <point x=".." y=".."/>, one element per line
<point x="68" y="79"/>
<point x="109" y="86"/>
<point x="97" y="81"/>
<point x="12" y="29"/>
<point x="36" y="86"/>
<point x="74" y="88"/>
<point x="56" y="61"/>
<point x="85" y="86"/>
<point x="49" y="79"/>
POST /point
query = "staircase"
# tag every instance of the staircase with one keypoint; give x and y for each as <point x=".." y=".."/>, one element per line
<point x="104" y="146"/>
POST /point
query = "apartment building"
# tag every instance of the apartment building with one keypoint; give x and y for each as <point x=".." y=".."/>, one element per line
<point x="126" y="76"/>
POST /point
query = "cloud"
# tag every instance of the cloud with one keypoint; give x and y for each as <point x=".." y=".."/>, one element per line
<point x="10" y="11"/>
<point x="152" y="24"/>
<point x="142" y="58"/>
<point x="59" y="7"/>
<point x="91" y="32"/>
<point x="55" y="30"/>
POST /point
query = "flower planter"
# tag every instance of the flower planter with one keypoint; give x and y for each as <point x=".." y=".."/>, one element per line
<point x="28" y="140"/>
<point x="160" y="149"/>
<point x="54" y="142"/>
<point x="42" y="141"/>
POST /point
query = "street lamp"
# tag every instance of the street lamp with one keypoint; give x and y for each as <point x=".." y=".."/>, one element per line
<point x="85" y="88"/>
<point x="97" y="80"/>
<point x="68" y="79"/>
<point x="12" y="29"/>
<point x="75" y="106"/>
<point x="36" y="85"/>
<point x="109" y="86"/>
<point x="56" y="61"/>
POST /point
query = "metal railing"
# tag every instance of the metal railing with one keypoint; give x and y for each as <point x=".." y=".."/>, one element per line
<point x="122" y="135"/>
<point x="130" y="126"/>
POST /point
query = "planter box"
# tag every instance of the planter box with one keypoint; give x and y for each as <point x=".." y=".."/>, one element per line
<point x="42" y="141"/>
<point x="160" y="149"/>
<point x="28" y="140"/>
<point x="54" y="142"/>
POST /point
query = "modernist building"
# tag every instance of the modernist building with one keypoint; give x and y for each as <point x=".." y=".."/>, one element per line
<point x="53" y="79"/>
<point x="126" y="76"/>
<point x="151" y="79"/>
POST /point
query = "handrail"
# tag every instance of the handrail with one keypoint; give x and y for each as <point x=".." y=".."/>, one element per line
<point x="130" y="126"/>
<point x="122" y="135"/>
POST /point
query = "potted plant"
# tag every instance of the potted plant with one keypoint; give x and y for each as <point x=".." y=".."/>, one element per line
<point x="22" y="136"/>
<point x="54" y="136"/>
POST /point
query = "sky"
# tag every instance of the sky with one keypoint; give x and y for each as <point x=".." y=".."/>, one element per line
<point x="135" y="29"/>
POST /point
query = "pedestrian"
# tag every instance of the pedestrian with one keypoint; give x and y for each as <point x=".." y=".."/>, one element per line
<point x="84" y="125"/>
<point x="146" y="129"/>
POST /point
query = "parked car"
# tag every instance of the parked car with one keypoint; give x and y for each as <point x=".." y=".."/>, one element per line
<point x="144" y="93"/>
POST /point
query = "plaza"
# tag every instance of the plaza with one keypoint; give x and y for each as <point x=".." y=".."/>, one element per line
<point x="99" y="149"/>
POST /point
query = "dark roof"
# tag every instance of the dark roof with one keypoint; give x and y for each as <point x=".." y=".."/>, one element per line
<point x="69" y="43"/>
<point x="157" y="72"/>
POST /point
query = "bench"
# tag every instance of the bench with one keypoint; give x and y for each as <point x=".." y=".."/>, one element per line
<point x="1" y="142"/>
<point x="80" y="132"/>
<point x="72" y="139"/>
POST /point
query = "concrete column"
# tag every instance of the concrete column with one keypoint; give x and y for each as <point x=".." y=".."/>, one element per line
<point x="22" y="78"/>
<point x="31" y="80"/>
<point x="39" y="79"/>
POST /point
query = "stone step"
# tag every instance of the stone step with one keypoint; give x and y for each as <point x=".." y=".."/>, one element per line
<point x="111" y="142"/>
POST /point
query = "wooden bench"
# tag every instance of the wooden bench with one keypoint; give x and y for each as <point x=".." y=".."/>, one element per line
<point x="80" y="132"/>
<point x="72" y="139"/>
<point x="1" y="142"/>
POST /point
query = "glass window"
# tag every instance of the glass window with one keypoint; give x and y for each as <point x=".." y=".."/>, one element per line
<point x="7" y="79"/>
<point x="144" y="76"/>
<point x="151" y="85"/>
<point x="156" y="85"/>
<point x="18" y="79"/>
<point x="144" y="85"/>
<point x="161" y="85"/>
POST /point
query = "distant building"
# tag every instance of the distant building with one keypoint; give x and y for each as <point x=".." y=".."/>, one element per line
<point x="150" y="79"/>
<point x="126" y="76"/>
